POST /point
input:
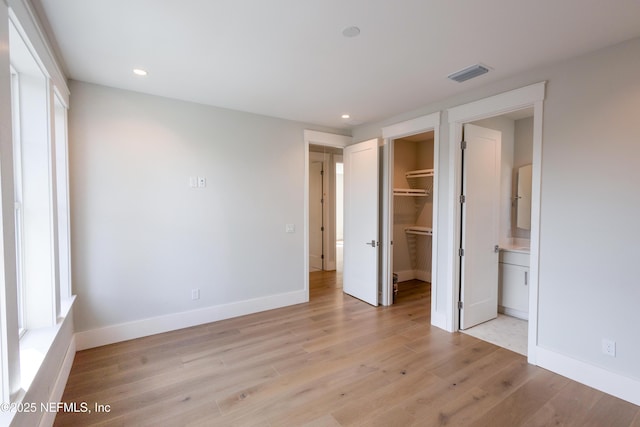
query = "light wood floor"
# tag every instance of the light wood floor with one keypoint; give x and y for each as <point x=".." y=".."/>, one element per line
<point x="335" y="361"/>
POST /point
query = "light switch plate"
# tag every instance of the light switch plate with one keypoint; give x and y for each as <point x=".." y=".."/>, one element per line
<point x="290" y="228"/>
<point x="193" y="181"/>
<point x="202" y="182"/>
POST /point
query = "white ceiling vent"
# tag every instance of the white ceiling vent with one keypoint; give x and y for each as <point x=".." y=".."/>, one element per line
<point x="468" y="73"/>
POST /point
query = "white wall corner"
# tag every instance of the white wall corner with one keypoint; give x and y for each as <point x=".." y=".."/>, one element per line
<point x="156" y="325"/>
<point x="594" y="376"/>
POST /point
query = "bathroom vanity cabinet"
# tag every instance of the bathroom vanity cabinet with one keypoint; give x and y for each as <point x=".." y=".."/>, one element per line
<point x="513" y="295"/>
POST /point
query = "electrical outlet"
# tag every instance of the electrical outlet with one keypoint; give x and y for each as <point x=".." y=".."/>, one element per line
<point x="290" y="228"/>
<point x="202" y="182"/>
<point x="195" y="294"/>
<point x="609" y="347"/>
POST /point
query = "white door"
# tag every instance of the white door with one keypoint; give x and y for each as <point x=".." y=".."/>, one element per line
<point x="480" y="225"/>
<point x="360" y="277"/>
<point x="315" y="216"/>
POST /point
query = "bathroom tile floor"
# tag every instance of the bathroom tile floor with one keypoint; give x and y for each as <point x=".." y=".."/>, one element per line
<point x="504" y="331"/>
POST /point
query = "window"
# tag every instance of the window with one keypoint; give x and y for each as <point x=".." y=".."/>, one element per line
<point x="17" y="182"/>
<point x="34" y="187"/>
<point x="62" y="197"/>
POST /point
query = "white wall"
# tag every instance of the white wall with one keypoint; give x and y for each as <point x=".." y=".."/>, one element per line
<point x="590" y="203"/>
<point x="142" y="239"/>
<point x="523" y="147"/>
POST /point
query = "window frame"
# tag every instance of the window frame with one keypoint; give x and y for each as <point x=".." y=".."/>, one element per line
<point x="16" y="120"/>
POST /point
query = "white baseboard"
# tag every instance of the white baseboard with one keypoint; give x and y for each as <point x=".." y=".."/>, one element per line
<point x="513" y="313"/>
<point x="61" y="381"/>
<point x="425" y="276"/>
<point x="185" y="319"/>
<point x="404" y="275"/>
<point x="594" y="376"/>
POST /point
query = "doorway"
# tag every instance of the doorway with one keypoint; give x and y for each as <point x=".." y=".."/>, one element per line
<point x="506" y="313"/>
<point x="317" y="212"/>
<point x="325" y="207"/>
<point x="411" y="169"/>
<point x="527" y="97"/>
<point x="415" y="235"/>
<point x="323" y="210"/>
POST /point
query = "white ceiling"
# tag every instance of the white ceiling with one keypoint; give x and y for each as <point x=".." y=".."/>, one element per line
<point x="289" y="59"/>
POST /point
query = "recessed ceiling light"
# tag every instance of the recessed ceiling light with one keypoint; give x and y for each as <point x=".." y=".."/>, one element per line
<point x="346" y="116"/>
<point x="351" y="31"/>
<point x="139" y="72"/>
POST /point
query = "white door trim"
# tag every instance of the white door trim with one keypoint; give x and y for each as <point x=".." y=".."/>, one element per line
<point x="532" y="95"/>
<point x="389" y="133"/>
<point x="317" y="138"/>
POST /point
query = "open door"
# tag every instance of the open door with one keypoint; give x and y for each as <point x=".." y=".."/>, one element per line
<point x="361" y="244"/>
<point x="480" y="225"/>
<point x="316" y="215"/>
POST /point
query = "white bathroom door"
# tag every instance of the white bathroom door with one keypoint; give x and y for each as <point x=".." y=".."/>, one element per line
<point x="361" y="245"/>
<point x="480" y="225"/>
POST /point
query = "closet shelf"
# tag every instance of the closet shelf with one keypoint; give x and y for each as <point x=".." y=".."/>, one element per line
<point x="410" y="192"/>
<point x="419" y="230"/>
<point x="419" y="173"/>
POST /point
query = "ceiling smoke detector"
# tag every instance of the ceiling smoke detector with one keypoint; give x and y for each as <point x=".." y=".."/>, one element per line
<point x="468" y="73"/>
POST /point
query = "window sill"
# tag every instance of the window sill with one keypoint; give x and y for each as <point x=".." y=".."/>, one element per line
<point x="34" y="347"/>
<point x="35" y="344"/>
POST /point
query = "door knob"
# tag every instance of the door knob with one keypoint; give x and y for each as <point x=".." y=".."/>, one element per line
<point x="372" y="243"/>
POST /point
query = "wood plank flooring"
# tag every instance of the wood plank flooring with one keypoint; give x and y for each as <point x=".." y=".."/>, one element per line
<point x="335" y="361"/>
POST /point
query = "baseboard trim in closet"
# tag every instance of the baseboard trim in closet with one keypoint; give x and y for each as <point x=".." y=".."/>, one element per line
<point x="404" y="275"/>
<point x="171" y="322"/>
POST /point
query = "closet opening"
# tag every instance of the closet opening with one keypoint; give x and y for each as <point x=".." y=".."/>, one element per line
<point x="326" y="180"/>
<point x="412" y="174"/>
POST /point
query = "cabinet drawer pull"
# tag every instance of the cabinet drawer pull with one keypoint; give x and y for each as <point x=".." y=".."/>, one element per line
<point x="526" y="278"/>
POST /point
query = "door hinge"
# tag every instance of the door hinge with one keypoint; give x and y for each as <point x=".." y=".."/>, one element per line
<point x="322" y="256"/>
<point x="460" y="305"/>
<point x="463" y="145"/>
<point x="322" y="172"/>
<point x="321" y="228"/>
<point x="460" y="252"/>
<point x="462" y="198"/>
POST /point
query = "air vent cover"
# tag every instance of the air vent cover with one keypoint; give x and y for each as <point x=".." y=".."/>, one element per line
<point x="468" y="73"/>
